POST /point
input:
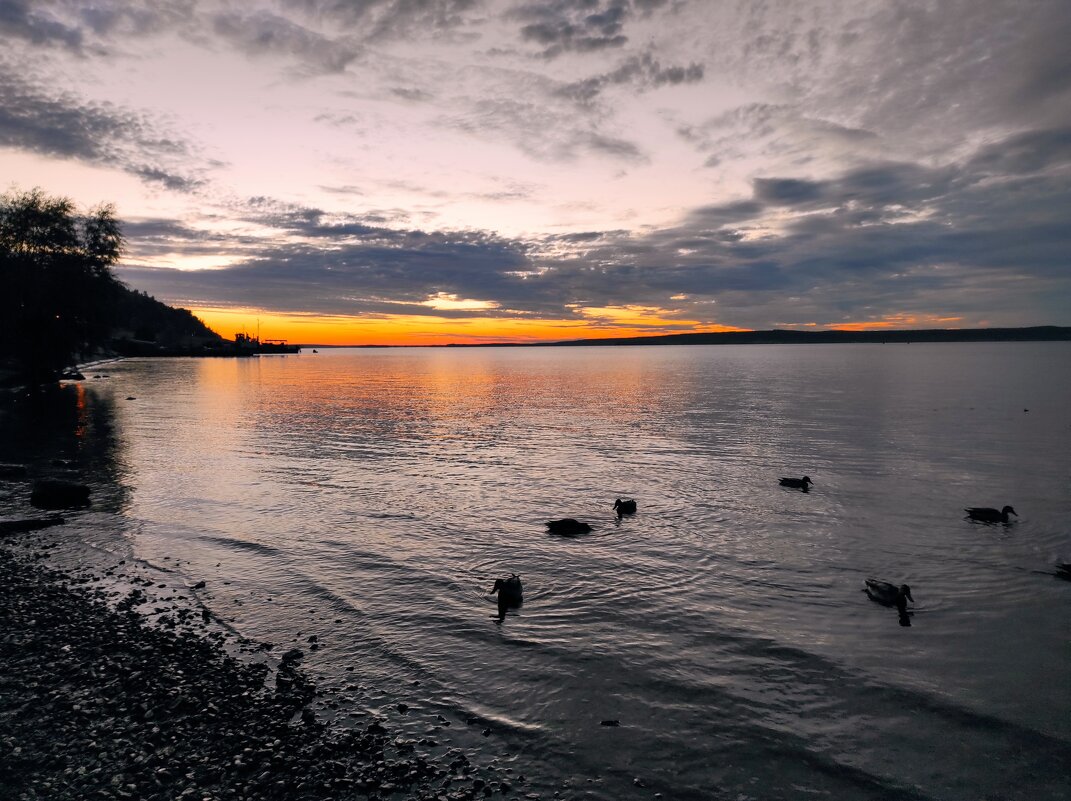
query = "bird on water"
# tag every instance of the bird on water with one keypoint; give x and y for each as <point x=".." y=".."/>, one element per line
<point x="625" y="507"/>
<point x="510" y="594"/>
<point x="797" y="483"/>
<point x="888" y="594"/>
<point x="984" y="514"/>
<point x="567" y="527"/>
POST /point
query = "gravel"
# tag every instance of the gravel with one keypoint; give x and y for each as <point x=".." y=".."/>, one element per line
<point x="99" y="702"/>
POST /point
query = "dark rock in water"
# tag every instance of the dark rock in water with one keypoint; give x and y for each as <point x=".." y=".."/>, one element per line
<point x="130" y="397"/>
<point x="567" y="527"/>
<point x="403" y="708"/>
<point x="610" y="723"/>
<point x="52" y="494"/>
<point x="200" y="585"/>
<point x="293" y="655"/>
<point x="12" y="471"/>
<point x="72" y="375"/>
<point x="31" y="524"/>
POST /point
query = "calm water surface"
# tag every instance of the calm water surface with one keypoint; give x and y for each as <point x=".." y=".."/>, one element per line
<point x="370" y="498"/>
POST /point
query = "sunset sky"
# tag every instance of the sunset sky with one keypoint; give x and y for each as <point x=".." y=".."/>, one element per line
<point x="413" y="171"/>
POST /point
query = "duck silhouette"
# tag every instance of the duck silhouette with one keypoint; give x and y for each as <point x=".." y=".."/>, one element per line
<point x="510" y="594"/>
<point x="984" y="514"/>
<point x="888" y="594"/>
<point x="797" y="483"/>
<point x="625" y="507"/>
<point x="567" y="527"/>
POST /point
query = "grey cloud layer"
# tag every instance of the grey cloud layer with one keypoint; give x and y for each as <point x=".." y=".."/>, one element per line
<point x="884" y="239"/>
<point x="907" y="156"/>
<point x="61" y="125"/>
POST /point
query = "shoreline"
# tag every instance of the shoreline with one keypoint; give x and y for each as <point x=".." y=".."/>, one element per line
<point x="99" y="699"/>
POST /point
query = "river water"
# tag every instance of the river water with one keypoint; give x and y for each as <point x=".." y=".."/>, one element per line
<point x="371" y="497"/>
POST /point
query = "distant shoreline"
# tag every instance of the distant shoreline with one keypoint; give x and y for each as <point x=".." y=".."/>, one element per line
<point x="1042" y="333"/>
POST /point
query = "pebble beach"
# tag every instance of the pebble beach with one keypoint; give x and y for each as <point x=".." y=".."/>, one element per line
<point x="99" y="700"/>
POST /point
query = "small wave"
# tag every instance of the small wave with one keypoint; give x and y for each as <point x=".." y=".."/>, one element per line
<point x="243" y="545"/>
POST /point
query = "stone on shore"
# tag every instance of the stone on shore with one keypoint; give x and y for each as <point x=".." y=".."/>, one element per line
<point x="98" y="703"/>
<point x="53" y="494"/>
<point x="29" y="524"/>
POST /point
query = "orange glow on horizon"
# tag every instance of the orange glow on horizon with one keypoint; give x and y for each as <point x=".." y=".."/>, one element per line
<point x="897" y="321"/>
<point x="429" y="330"/>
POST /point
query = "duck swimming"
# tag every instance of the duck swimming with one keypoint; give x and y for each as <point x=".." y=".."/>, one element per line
<point x="797" y="483"/>
<point x="984" y="514"/>
<point x="510" y="594"/>
<point x="888" y="594"/>
<point x="567" y="527"/>
<point x="625" y="507"/>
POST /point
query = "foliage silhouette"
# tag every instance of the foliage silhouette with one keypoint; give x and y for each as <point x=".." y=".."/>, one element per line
<point x="55" y="269"/>
<point x="59" y="300"/>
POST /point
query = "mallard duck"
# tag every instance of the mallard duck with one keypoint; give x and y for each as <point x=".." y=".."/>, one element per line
<point x="888" y="594"/>
<point x="797" y="483"/>
<point x="510" y="594"/>
<point x="625" y="507"/>
<point x="984" y="514"/>
<point x="567" y="527"/>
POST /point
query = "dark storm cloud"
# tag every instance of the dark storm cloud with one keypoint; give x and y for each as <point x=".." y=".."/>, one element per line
<point x="385" y="19"/>
<point x="541" y="131"/>
<point x="1030" y="151"/>
<point x="412" y="94"/>
<point x="960" y="65"/>
<point x="641" y="73"/>
<point x="873" y="241"/>
<point x="19" y="19"/>
<point x="580" y="26"/>
<point x="873" y="186"/>
<point x="263" y="33"/>
<point x="787" y="191"/>
<point x="91" y="28"/>
<point x="151" y="238"/>
<point x="59" y="124"/>
<point x="352" y="269"/>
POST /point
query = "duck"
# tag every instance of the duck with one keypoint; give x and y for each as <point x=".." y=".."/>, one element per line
<point x="984" y="514"/>
<point x="510" y="594"/>
<point x="797" y="483"/>
<point x="888" y="594"/>
<point x="567" y="527"/>
<point x="625" y="507"/>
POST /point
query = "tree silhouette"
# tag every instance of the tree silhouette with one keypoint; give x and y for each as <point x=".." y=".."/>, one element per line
<point x="57" y="290"/>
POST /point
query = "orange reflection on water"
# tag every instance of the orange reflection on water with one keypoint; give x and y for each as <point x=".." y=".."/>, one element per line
<point x="81" y="413"/>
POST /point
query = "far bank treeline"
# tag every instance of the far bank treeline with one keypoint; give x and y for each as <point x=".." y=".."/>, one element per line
<point x="60" y="302"/>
